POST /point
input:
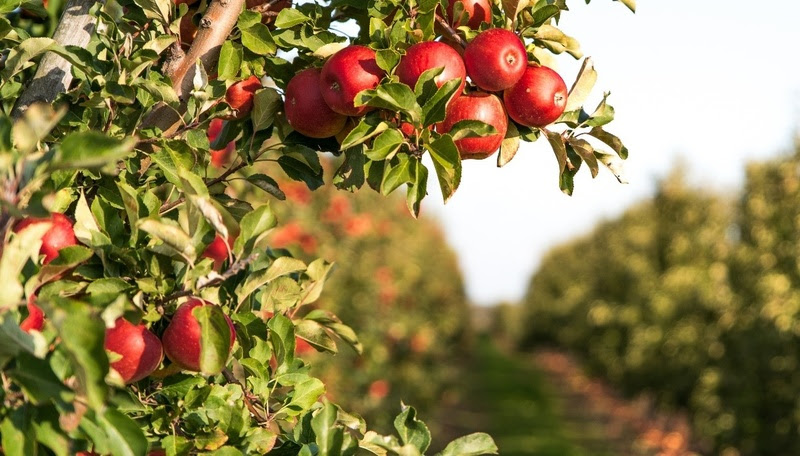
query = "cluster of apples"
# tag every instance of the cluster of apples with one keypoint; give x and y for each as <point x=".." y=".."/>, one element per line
<point x="139" y="351"/>
<point x="320" y="101"/>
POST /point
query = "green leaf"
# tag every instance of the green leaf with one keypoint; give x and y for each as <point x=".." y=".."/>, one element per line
<point x="610" y="140"/>
<point x="398" y="172"/>
<point x="585" y="150"/>
<point x="387" y="59"/>
<point x="328" y="436"/>
<point x="68" y="258"/>
<point x="603" y="114"/>
<point x="289" y="17"/>
<point x="253" y="226"/>
<point x="557" y="42"/>
<point x="35" y="124"/>
<point x="82" y="335"/>
<point x="305" y="394"/>
<point x="417" y="189"/>
<point x="393" y="96"/>
<point x="13" y="340"/>
<point x="215" y="338"/>
<point x="513" y="7"/>
<point x="510" y="145"/>
<point x="91" y="149"/>
<point x="259" y="40"/>
<point x="282" y="266"/>
<point x="385" y="145"/>
<point x="587" y="76"/>
<point x="350" y="175"/>
<point x="447" y="163"/>
<point x="559" y="148"/>
<point x="267" y="184"/>
<point x="230" y="61"/>
<point x="435" y="108"/>
<point x="125" y="437"/>
<point x="266" y="103"/>
<point x="347" y="334"/>
<point x="24" y="246"/>
<point x="315" y="334"/>
<point x="301" y="171"/>
<point x="281" y="335"/>
<point x="614" y="164"/>
<point x="411" y="430"/>
<point x="281" y="294"/>
<point x="22" y="54"/>
<point x="170" y="235"/>
<point x="470" y="445"/>
<point x="17" y="434"/>
<point x="369" y="127"/>
<point x="471" y="129"/>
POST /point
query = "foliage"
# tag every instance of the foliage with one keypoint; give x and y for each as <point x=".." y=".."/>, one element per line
<point x="693" y="300"/>
<point x="124" y="152"/>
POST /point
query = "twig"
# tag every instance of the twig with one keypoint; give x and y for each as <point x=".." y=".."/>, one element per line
<point x="54" y="74"/>
<point x="451" y="31"/>
<point x="213" y="279"/>
<point x="264" y="7"/>
<point x="250" y="400"/>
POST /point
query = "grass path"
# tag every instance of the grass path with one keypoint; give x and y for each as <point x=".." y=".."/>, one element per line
<point x="513" y="401"/>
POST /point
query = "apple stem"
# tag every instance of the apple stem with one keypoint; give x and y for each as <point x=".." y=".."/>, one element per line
<point x="451" y="31"/>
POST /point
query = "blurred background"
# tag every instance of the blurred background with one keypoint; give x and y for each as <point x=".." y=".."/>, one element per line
<point x="656" y="318"/>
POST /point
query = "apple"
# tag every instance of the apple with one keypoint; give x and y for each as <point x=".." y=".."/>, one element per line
<point x="181" y="339"/>
<point x="427" y="55"/>
<point x="140" y="349"/>
<point x="306" y="110"/>
<point x="60" y="235"/>
<point x="218" y="251"/>
<point x="240" y="96"/>
<point x="476" y="106"/>
<point x="478" y="11"/>
<point x="346" y="73"/>
<point x="495" y="59"/>
<point x="188" y="29"/>
<point x="219" y="157"/>
<point x="379" y="389"/>
<point x="35" y="319"/>
<point x="538" y="99"/>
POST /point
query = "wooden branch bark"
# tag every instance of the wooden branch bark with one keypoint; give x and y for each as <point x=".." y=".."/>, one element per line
<point x="54" y="74"/>
<point x="215" y="27"/>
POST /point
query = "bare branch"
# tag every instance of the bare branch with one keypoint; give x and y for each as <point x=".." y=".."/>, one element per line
<point x="215" y="27"/>
<point x="54" y="74"/>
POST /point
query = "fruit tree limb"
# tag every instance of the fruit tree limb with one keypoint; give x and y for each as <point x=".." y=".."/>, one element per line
<point x="54" y="74"/>
<point x="451" y="31"/>
<point x="215" y="26"/>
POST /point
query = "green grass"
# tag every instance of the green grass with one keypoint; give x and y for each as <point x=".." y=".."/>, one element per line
<point x="511" y="400"/>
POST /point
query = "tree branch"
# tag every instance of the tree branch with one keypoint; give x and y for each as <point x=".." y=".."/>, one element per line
<point x="215" y="26"/>
<point x="451" y="31"/>
<point x="54" y="74"/>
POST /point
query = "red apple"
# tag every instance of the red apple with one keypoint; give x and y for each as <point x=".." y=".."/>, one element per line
<point x="478" y="10"/>
<point x="181" y="339"/>
<point x="140" y="350"/>
<point x="306" y="110"/>
<point x="217" y="251"/>
<point x="538" y="99"/>
<point x="35" y="319"/>
<point x="60" y="234"/>
<point x="495" y="59"/>
<point x="219" y="157"/>
<point x="427" y="55"/>
<point x="477" y="106"/>
<point x="346" y="73"/>
<point x="240" y="95"/>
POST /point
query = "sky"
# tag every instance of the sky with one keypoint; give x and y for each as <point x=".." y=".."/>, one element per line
<point x="714" y="83"/>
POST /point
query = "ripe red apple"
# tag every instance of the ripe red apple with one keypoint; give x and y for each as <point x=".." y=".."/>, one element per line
<point x="181" y="339"/>
<point x="478" y="11"/>
<point x="306" y="110"/>
<point x="140" y="349"/>
<point x="240" y="95"/>
<point x="219" y="157"/>
<point x="217" y="251"/>
<point x="346" y="73"/>
<point x="495" y="59"/>
<point x="427" y="55"/>
<point x="476" y="106"/>
<point x="35" y="319"/>
<point x="538" y="99"/>
<point x="60" y="234"/>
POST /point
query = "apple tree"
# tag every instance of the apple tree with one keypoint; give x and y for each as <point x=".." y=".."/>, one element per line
<point x="142" y="307"/>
